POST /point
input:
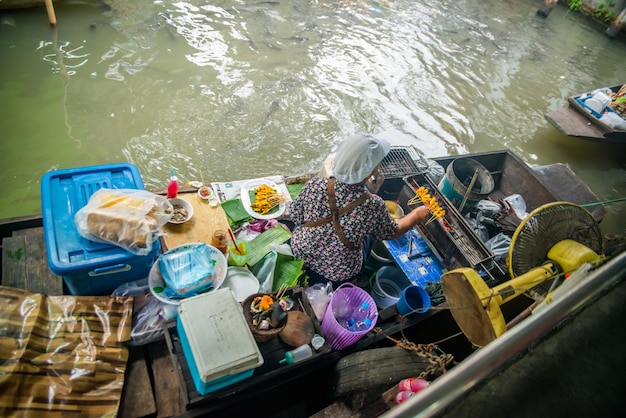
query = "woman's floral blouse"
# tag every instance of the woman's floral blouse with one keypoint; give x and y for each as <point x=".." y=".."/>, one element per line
<point x="320" y="247"/>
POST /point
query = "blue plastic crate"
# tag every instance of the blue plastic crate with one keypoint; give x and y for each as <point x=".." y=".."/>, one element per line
<point x="88" y="267"/>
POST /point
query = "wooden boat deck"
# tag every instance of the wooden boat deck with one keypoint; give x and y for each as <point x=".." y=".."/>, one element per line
<point x="155" y="371"/>
<point x="570" y="122"/>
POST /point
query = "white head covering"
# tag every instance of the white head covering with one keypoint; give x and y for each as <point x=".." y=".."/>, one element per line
<point x="357" y="156"/>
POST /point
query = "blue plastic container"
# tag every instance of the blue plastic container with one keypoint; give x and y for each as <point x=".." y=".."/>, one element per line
<point x="88" y="267"/>
<point x="413" y="299"/>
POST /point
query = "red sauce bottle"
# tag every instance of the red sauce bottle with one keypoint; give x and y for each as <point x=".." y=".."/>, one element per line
<point x="172" y="187"/>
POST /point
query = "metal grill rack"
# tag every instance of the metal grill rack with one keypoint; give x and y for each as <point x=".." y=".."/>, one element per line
<point x="451" y="238"/>
<point x="400" y="162"/>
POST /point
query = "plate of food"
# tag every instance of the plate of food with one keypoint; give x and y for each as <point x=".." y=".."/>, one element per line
<point x="187" y="270"/>
<point x="262" y="199"/>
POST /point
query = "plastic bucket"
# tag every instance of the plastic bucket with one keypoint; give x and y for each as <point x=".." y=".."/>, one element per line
<point x="343" y="302"/>
<point x="379" y="256"/>
<point x="388" y="286"/>
<point x="413" y="299"/>
<point x="458" y="177"/>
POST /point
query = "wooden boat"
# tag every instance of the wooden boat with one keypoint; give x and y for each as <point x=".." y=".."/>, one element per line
<point x="580" y="121"/>
<point x="158" y="380"/>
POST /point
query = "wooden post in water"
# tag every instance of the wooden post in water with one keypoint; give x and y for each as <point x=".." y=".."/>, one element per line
<point x="51" y="15"/>
<point x="547" y="7"/>
<point x="618" y="24"/>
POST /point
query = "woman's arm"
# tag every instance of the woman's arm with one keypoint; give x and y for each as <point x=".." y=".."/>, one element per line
<point x="419" y="214"/>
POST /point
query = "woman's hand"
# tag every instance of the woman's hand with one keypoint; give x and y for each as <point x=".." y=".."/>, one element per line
<point x="419" y="214"/>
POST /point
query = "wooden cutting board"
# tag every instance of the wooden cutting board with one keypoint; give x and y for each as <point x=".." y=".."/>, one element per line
<point x="200" y="228"/>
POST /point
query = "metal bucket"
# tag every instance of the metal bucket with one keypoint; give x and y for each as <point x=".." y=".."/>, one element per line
<point x="459" y="176"/>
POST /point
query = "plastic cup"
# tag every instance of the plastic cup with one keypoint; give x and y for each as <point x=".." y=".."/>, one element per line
<point x="317" y="341"/>
<point x="413" y="299"/>
<point x="238" y="257"/>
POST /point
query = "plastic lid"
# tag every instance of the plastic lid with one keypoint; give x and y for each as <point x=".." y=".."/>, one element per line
<point x="365" y="305"/>
<point x="367" y="322"/>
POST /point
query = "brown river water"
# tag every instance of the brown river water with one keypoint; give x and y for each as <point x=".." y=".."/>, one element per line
<point x="235" y="89"/>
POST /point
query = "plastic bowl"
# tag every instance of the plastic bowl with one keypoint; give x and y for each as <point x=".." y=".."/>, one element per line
<point x="205" y="192"/>
<point x="180" y="206"/>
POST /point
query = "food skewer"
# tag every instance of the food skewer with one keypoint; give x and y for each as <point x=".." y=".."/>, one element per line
<point x="266" y="199"/>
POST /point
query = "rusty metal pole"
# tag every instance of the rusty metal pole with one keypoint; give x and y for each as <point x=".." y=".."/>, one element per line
<point x="547" y="7"/>
<point x="618" y="24"/>
<point x="51" y="15"/>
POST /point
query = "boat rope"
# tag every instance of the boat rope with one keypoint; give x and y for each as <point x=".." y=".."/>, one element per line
<point x="604" y="202"/>
<point x="438" y="362"/>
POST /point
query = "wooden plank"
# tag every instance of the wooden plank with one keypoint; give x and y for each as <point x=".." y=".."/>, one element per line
<point x="13" y="264"/>
<point x="37" y="266"/>
<point x="568" y="187"/>
<point x="200" y="228"/>
<point x="137" y="397"/>
<point x="570" y="122"/>
<point x="25" y="264"/>
<point x="169" y="398"/>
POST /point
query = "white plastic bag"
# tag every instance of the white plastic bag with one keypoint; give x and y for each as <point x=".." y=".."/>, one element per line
<point x="518" y="204"/>
<point x="149" y="313"/>
<point x="128" y="218"/>
<point x="319" y="297"/>
<point x="613" y="120"/>
<point x="489" y="208"/>
<point x="499" y="245"/>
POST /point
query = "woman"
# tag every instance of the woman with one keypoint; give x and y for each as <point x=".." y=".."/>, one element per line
<point x="333" y="246"/>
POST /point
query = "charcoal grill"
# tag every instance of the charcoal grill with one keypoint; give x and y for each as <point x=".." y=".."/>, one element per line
<point x="450" y="237"/>
<point x="401" y="161"/>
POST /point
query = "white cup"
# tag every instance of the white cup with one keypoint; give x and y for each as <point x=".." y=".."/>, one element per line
<point x="317" y="341"/>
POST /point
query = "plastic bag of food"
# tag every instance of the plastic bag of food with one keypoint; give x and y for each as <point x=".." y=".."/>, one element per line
<point x="131" y="219"/>
<point x="187" y="272"/>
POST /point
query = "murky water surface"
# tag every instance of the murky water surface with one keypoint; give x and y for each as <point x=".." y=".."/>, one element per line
<point x="235" y="89"/>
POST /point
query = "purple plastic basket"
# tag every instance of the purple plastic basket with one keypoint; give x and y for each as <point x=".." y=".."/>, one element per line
<point x="344" y="300"/>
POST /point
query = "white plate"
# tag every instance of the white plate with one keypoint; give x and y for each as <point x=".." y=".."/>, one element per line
<point x="158" y="286"/>
<point x="245" y="199"/>
<point x="242" y="282"/>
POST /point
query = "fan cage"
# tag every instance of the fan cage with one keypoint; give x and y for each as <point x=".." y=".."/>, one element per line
<point x="549" y="226"/>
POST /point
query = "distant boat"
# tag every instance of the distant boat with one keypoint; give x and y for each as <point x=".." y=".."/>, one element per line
<point x="582" y="118"/>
